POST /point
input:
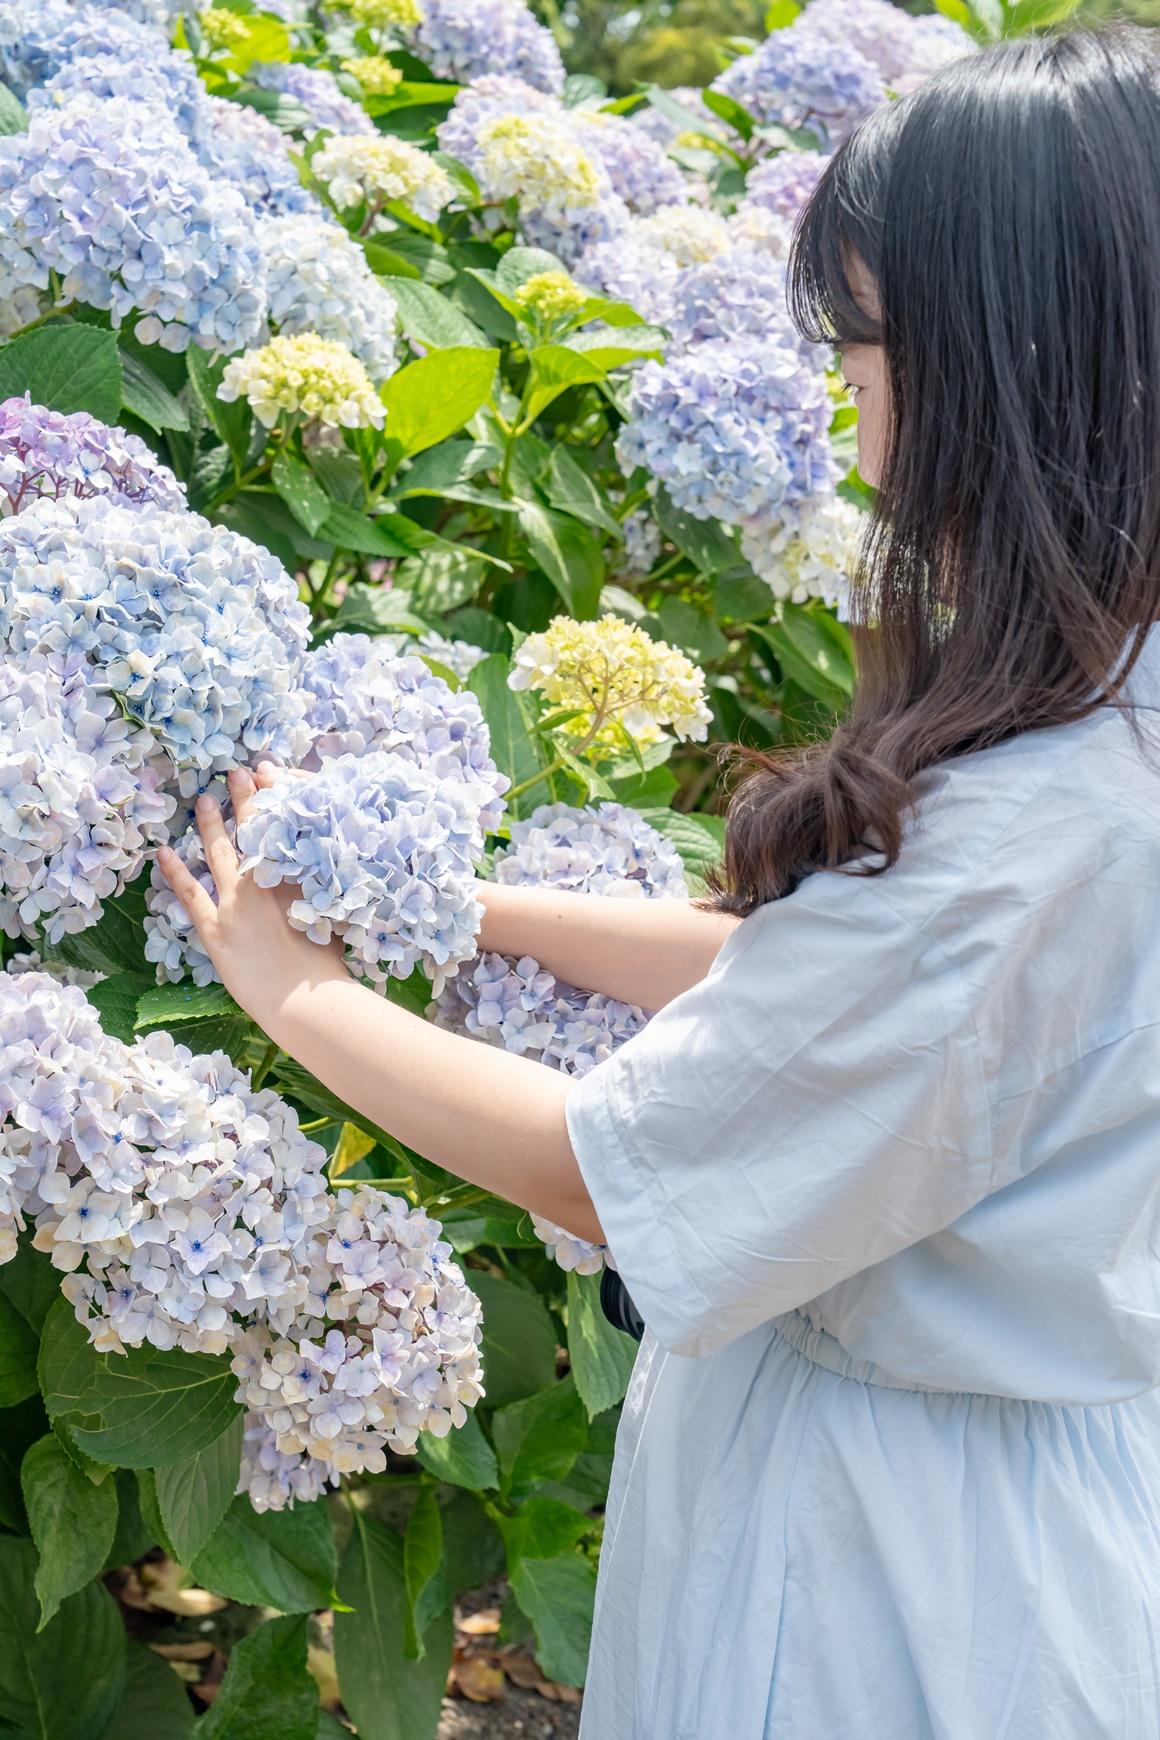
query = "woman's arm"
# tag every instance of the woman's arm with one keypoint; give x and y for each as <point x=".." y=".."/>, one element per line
<point x="495" y="1119"/>
<point x="641" y="951"/>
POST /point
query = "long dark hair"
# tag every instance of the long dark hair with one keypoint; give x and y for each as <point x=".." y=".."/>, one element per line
<point x="1008" y="212"/>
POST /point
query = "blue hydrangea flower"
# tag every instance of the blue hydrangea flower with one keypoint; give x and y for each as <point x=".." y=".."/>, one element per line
<point x="781" y="184"/>
<point x="365" y="695"/>
<point x="382" y="849"/>
<point x="188" y="624"/>
<point x="902" y="48"/>
<point x="734" y="430"/>
<point x="251" y="153"/>
<point x="319" y="93"/>
<point x="54" y="453"/>
<point x="740" y="295"/>
<point x="116" y="204"/>
<point x="800" y="79"/>
<point x="318" y="280"/>
<point x="605" y="848"/>
<point x="36" y="41"/>
<point x="80" y="802"/>
<point x="641" y="172"/>
<point x="465" y="40"/>
<point x="167" y="81"/>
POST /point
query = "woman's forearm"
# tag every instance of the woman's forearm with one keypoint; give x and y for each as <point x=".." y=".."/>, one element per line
<point x="492" y="1118"/>
<point x="641" y="951"/>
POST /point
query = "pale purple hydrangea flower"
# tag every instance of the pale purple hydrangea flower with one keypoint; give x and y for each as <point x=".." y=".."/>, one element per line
<point x="366" y="694"/>
<point x="382" y="850"/>
<point x="251" y="153"/>
<point x="81" y="802"/>
<point x="640" y="171"/>
<point x="605" y="848"/>
<point x="35" y="42"/>
<point x="642" y="543"/>
<point x="570" y="1252"/>
<point x="188" y="624"/>
<point x="643" y="264"/>
<point x="386" y="1347"/>
<point x="518" y="1005"/>
<point x="733" y="429"/>
<point x="781" y="184"/>
<point x="904" y="49"/>
<point x="798" y="78"/>
<point x="110" y="198"/>
<point x="737" y="298"/>
<point x="57" y="453"/>
<point x="60" y="971"/>
<point x="318" y="280"/>
<point x="319" y="93"/>
<point x="485" y="99"/>
<point x="466" y="40"/>
<point x="167" y="82"/>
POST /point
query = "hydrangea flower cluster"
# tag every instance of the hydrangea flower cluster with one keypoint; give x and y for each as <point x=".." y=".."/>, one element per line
<point x="782" y="183"/>
<point x="306" y="376"/>
<point x="117" y="205"/>
<point x="809" y="554"/>
<point x="550" y="296"/>
<point x="168" y="83"/>
<point x="80" y="800"/>
<point x="318" y="280"/>
<point x="366" y="695"/>
<point x="375" y="74"/>
<point x="57" y="453"/>
<point x="801" y="80"/>
<point x="35" y="42"/>
<point x="384" y="14"/>
<point x="643" y="264"/>
<point x="386" y="1346"/>
<point x="903" y="49"/>
<point x="459" y="657"/>
<point x="640" y="171"/>
<point x="376" y="170"/>
<point x="464" y="40"/>
<point x="735" y="430"/>
<point x="608" y="850"/>
<point x="642" y="543"/>
<point x="202" y="1217"/>
<point x="249" y="152"/>
<point x="318" y="92"/>
<point x="382" y="851"/>
<point x="187" y="624"/>
<point x="221" y="28"/>
<point x="621" y="682"/>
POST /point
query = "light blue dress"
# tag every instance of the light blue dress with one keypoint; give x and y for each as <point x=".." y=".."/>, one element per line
<point x="886" y="1188"/>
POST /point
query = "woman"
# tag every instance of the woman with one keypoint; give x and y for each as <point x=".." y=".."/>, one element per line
<point x="883" y="1175"/>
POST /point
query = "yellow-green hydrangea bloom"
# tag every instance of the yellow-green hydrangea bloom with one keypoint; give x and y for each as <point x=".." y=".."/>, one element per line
<point x="308" y="376"/>
<point x="536" y="159"/>
<point x="377" y="168"/>
<point x="375" y="74"/>
<point x="551" y="295"/>
<point x="222" y="28"/>
<point x="385" y="14"/>
<point x="623" y="683"/>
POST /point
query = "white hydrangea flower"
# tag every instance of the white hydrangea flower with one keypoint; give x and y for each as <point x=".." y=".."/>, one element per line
<point x="306" y="376"/>
<point x="355" y="168"/>
<point x="318" y="280"/>
<point x="809" y="554"/>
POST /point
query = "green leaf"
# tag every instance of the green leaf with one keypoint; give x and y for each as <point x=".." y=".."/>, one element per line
<point x="73" y="1523"/>
<point x="743" y="598"/>
<point x="611" y="348"/>
<point x="30" y="1283"/>
<point x="434" y="397"/>
<point x="541" y="1528"/>
<point x="706" y="543"/>
<point x="62" y="1683"/>
<point x="601" y="1356"/>
<point x="558" y="1596"/>
<point x="569" y="555"/>
<point x="20" y="1427"/>
<point x="685" y="625"/>
<point x="593" y="784"/>
<point x="520" y="264"/>
<point x="115" y="1000"/>
<point x="956" y="9"/>
<point x="811" y="654"/>
<point x="433" y="321"/>
<point x="13" y="114"/>
<point x="194" y="1495"/>
<point x="699" y="839"/>
<point x="116" y="943"/>
<point x="147" y="396"/>
<point x="463" y="1458"/>
<point x="780" y="14"/>
<point x="267" y="1693"/>
<point x="414" y="258"/>
<point x="540" y="1438"/>
<point x="276" y="1558"/>
<point x="473" y="1548"/>
<point x="555" y="368"/>
<point x="141" y="1409"/>
<point x="133" y="1536"/>
<point x="518" y="752"/>
<point x="351" y="530"/>
<point x="154" y="1705"/>
<point x="67" y="368"/>
<point x="729" y="110"/>
<point x="519" y="1341"/>
<point x="151" y="1511"/>
<point x="570" y="489"/>
<point x="385" y="1695"/>
<point x="422" y="1572"/>
<point x="164" y="1004"/>
<point x="444" y="468"/>
<point x="266" y="39"/>
<point x="301" y="491"/>
<point x="18" y="1348"/>
<point x="232" y="421"/>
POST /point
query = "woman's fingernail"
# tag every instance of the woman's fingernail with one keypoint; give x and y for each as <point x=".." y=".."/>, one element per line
<point x="205" y="804"/>
<point x="164" y="854"/>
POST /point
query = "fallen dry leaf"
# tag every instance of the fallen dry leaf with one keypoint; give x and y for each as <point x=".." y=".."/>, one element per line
<point x="485" y="1623"/>
<point x="521" y="1670"/>
<point x="162" y="1585"/>
<point x="477" y="1679"/>
<point x="184" y="1651"/>
<point x="320" y="1663"/>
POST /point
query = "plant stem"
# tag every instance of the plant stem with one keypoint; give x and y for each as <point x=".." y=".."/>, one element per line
<point x="265" y="1065"/>
<point x="31" y="325"/>
<point x="515" y="791"/>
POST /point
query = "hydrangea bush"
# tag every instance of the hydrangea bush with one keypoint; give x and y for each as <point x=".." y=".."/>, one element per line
<point x="378" y="401"/>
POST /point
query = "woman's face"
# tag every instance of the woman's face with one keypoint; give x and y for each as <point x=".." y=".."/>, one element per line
<point x="864" y="370"/>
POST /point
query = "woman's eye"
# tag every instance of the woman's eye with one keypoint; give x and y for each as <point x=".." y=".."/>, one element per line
<point x="851" y="390"/>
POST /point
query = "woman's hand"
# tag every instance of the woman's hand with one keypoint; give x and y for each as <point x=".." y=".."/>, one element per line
<point x="260" y="958"/>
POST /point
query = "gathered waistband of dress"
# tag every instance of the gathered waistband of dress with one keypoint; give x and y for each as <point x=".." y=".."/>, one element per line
<point x="820" y="1347"/>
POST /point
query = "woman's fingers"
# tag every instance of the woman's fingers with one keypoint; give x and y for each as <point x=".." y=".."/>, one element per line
<point x="242" y="789"/>
<point x="265" y="775"/>
<point x="219" y="853"/>
<point x="187" y="888"/>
